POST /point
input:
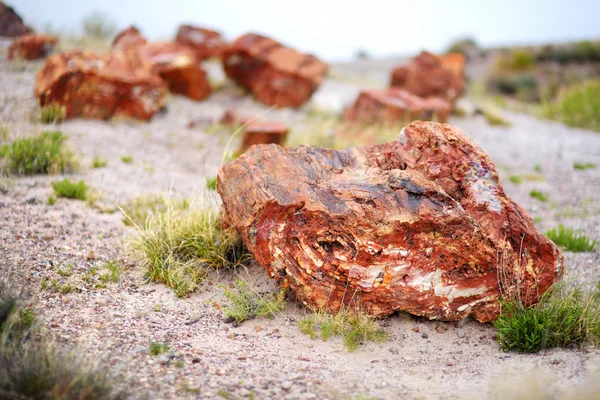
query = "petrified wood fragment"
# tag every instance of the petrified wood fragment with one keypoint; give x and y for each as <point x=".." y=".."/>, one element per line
<point x="31" y="47"/>
<point x="420" y="224"/>
<point x="129" y="38"/>
<point x="276" y="75"/>
<point x="258" y="132"/>
<point x="100" y="86"/>
<point x="205" y="42"/>
<point x="11" y="24"/>
<point x="395" y="105"/>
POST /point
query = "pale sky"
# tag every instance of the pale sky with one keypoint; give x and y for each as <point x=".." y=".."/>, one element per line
<point x="336" y="29"/>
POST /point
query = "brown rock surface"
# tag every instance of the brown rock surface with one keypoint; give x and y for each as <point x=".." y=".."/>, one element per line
<point x="31" y="47"/>
<point x="205" y="42"/>
<point x="100" y="86"/>
<point x="11" y="24"/>
<point x="258" y="132"/>
<point x="276" y="75"/>
<point x="395" y="105"/>
<point x="432" y="75"/>
<point x="129" y="38"/>
<point x="420" y="224"/>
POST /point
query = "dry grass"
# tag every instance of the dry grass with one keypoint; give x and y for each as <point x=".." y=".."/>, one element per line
<point x="246" y="303"/>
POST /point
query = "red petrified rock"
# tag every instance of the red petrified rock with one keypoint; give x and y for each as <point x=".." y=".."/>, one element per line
<point x="276" y="75"/>
<point x="432" y="75"/>
<point x="258" y="132"/>
<point x="178" y="65"/>
<point x="420" y="224"/>
<point x="31" y="47"/>
<point x="205" y="42"/>
<point x="10" y="23"/>
<point x="129" y="38"/>
<point x="100" y="86"/>
<point x="395" y="105"/>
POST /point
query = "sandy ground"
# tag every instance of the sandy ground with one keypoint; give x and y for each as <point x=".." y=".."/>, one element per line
<point x="268" y="358"/>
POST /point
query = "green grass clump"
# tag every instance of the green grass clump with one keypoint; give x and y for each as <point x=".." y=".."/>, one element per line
<point x="583" y="166"/>
<point x="211" y="183"/>
<point x="516" y="179"/>
<point x="178" y="246"/>
<point x="247" y="304"/>
<point x="112" y="272"/>
<point x="564" y="316"/>
<point x="494" y="118"/>
<point x="52" y="113"/>
<point x="51" y="199"/>
<point x="70" y="190"/>
<point x="45" y="153"/>
<point x="127" y="159"/>
<point x="353" y="327"/>
<point x="139" y="209"/>
<point x="99" y="162"/>
<point x="157" y="348"/>
<point x="571" y="240"/>
<point x="536" y="194"/>
<point x="577" y="106"/>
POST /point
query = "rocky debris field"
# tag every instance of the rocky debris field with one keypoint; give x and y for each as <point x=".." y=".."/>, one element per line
<point x="264" y="358"/>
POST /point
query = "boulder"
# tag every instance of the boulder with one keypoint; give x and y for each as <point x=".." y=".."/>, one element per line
<point x="420" y="224"/>
<point x="31" y="47"/>
<point x="432" y="75"/>
<point x="11" y="24"/>
<point x="258" y="132"/>
<point x="178" y="65"/>
<point x="129" y="38"/>
<point x="205" y="42"/>
<point x="395" y="105"/>
<point x="101" y="86"/>
<point x="276" y="75"/>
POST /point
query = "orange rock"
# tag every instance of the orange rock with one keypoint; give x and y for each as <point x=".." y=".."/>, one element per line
<point x="100" y="86"/>
<point x="420" y="224"/>
<point x="11" y="24"/>
<point x="206" y="42"/>
<point x="129" y="38"/>
<point x="276" y="75"/>
<point x="395" y="105"/>
<point x="257" y="132"/>
<point x="31" y="47"/>
<point x="432" y="75"/>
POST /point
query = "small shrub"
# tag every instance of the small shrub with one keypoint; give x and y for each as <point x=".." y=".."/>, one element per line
<point x="51" y="199"/>
<point x="42" y="154"/>
<point x="353" y="327"/>
<point x="571" y="240"/>
<point x="157" y="348"/>
<point x="98" y="162"/>
<point x="536" y="194"/>
<point x="52" y="113"/>
<point x="127" y="159"/>
<point x="563" y="316"/>
<point x="577" y="106"/>
<point x="211" y="183"/>
<point x="70" y="190"/>
<point x="247" y="304"/>
<point x="583" y="166"/>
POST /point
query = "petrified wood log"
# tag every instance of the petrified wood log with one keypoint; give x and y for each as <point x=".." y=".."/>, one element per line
<point x="31" y="47"/>
<point x="276" y="75"/>
<point x="205" y="42"/>
<point x="395" y="105"/>
<point x="11" y="24"/>
<point x="420" y="224"/>
<point x="432" y="75"/>
<point x="258" y="132"/>
<point x="101" y="86"/>
<point x="129" y="38"/>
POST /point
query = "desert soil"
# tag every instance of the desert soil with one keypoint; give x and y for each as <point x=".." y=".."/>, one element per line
<point x="266" y="358"/>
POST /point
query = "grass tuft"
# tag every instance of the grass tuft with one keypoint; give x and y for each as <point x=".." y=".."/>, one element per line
<point x="179" y="246"/>
<point x="139" y="209"/>
<point x="571" y="240"/>
<point x="45" y="153"/>
<point x="516" y="179"/>
<point x="52" y="113"/>
<point x="99" y="162"/>
<point x="583" y="166"/>
<point x="352" y="326"/>
<point x="211" y="183"/>
<point x="564" y="316"/>
<point x="70" y="190"/>
<point x="247" y="304"/>
<point x="577" y="106"/>
<point x="157" y="348"/>
<point x="127" y="159"/>
<point x="536" y="194"/>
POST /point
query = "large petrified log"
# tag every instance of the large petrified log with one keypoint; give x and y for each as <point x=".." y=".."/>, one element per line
<point x="432" y="75"/>
<point x="31" y="47"/>
<point x="205" y="42"/>
<point x="11" y="24"/>
<point x="129" y="38"/>
<point x="395" y="105"/>
<point x="276" y="75"/>
<point x="101" y="86"/>
<point x="420" y="224"/>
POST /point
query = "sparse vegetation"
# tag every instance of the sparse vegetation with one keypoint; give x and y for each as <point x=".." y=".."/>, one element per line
<point x="112" y="272"/>
<point x="71" y="190"/>
<point x="518" y="60"/>
<point x="583" y="166"/>
<point x="248" y="304"/>
<point x="571" y="239"/>
<point x="137" y="210"/>
<point x="42" y="154"/>
<point x="51" y="199"/>
<point x="536" y="194"/>
<point x="99" y="25"/>
<point x="157" y="348"/>
<point x="353" y="327"/>
<point x="564" y="316"/>
<point x="178" y="246"/>
<point x="52" y="113"/>
<point x="516" y="179"/>
<point x="577" y="106"/>
<point x="127" y="159"/>
<point x="494" y="118"/>
<point x="211" y="183"/>
<point x="99" y="162"/>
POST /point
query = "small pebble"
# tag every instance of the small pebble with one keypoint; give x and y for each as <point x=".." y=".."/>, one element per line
<point x="424" y="335"/>
<point x="30" y="200"/>
<point x="257" y="328"/>
<point x="286" y="385"/>
<point x="461" y="333"/>
<point x="416" y="329"/>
